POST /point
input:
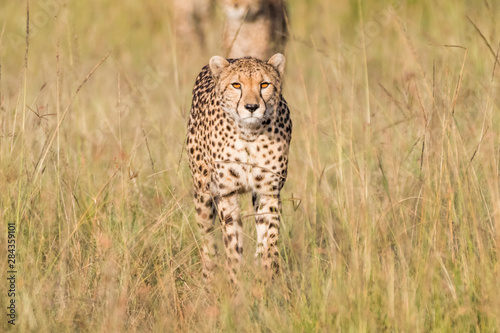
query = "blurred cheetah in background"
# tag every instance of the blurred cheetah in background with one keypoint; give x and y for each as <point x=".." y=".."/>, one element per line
<point x="238" y="138"/>
<point x="255" y="28"/>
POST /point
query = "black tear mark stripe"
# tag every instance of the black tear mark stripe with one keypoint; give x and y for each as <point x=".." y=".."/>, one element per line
<point x="262" y="98"/>
<point x="238" y="104"/>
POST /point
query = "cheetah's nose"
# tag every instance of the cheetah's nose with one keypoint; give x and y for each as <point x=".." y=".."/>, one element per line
<point x="252" y="107"/>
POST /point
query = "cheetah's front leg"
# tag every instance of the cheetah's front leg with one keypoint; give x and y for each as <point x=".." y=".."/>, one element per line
<point x="205" y="211"/>
<point x="267" y="209"/>
<point x="229" y="213"/>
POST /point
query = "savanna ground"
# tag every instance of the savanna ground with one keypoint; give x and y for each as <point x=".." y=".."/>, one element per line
<point x="391" y="214"/>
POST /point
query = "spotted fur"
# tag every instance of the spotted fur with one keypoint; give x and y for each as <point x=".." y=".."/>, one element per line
<point x="238" y="139"/>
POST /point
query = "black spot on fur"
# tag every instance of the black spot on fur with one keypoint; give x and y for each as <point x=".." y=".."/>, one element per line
<point x="234" y="173"/>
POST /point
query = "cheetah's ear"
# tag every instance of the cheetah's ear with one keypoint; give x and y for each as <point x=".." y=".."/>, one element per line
<point x="217" y="64"/>
<point x="278" y="61"/>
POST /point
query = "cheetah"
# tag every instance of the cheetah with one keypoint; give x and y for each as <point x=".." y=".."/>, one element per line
<point x="239" y="134"/>
<point x="255" y="28"/>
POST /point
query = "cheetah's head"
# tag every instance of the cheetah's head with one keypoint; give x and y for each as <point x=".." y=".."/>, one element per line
<point x="249" y="89"/>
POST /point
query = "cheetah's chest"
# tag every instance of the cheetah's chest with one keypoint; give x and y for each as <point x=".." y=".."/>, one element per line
<point x="244" y="166"/>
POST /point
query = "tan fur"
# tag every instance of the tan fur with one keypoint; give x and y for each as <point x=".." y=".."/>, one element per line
<point x="255" y="28"/>
<point x="191" y="18"/>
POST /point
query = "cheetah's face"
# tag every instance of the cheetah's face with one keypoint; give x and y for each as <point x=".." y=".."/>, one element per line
<point x="249" y="89"/>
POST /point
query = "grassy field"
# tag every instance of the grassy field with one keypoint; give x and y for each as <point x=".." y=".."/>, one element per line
<point x="391" y="212"/>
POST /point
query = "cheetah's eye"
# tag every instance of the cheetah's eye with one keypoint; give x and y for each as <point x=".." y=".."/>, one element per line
<point x="237" y="85"/>
<point x="264" y="85"/>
